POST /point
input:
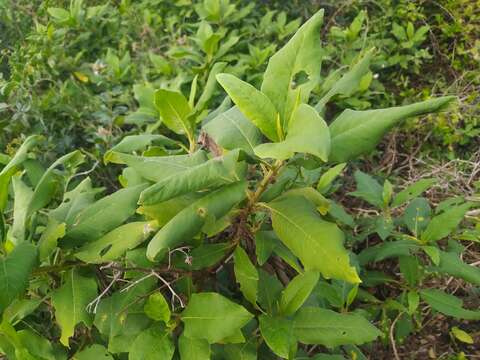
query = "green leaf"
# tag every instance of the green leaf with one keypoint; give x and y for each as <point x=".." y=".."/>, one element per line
<point x="278" y="334"/>
<point x="328" y="177"/>
<point x="22" y="197"/>
<point x="325" y="327"/>
<point x="153" y="343"/>
<point x="461" y="335"/>
<point x="174" y="111"/>
<point x="297" y="292"/>
<point x="368" y="189"/>
<point x="210" y="86"/>
<point x="212" y="317"/>
<point x="448" y="304"/>
<point x="59" y="14"/>
<point x="49" y="238"/>
<point x="246" y="275"/>
<point x="301" y="55"/>
<point x="417" y="215"/>
<point x="269" y="290"/>
<point x="158" y="168"/>
<point x="133" y="143"/>
<point x="12" y="166"/>
<point x="114" y="244"/>
<point x="442" y="225"/>
<point x="156" y="308"/>
<point x="189" y="222"/>
<point x="70" y="303"/>
<point x="94" y="351"/>
<point x="208" y="254"/>
<point x="307" y="133"/>
<point x="255" y="105"/>
<point x="49" y="182"/>
<point x="410" y="268"/>
<point x="15" y="270"/>
<point x="317" y="243"/>
<point x="211" y="174"/>
<point x="265" y="243"/>
<point x="451" y="264"/>
<point x="232" y="130"/>
<point x="350" y="81"/>
<point x="104" y="215"/>
<point x="354" y="133"/>
<point x="412" y="191"/>
<point x="147" y="111"/>
<point x="193" y="349"/>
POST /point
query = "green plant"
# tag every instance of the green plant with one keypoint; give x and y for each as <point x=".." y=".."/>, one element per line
<point x="221" y="242"/>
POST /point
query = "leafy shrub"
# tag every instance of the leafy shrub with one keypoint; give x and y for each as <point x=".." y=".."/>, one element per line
<point x="221" y="242"/>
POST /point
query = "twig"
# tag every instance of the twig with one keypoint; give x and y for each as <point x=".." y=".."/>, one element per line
<point x="392" y="338"/>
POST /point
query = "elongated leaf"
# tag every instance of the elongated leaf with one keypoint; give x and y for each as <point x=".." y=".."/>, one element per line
<point x="174" y="111"/>
<point x="301" y="55"/>
<point x="278" y="334"/>
<point x="15" y="269"/>
<point x="328" y="177"/>
<point x="70" y="302"/>
<point x="325" y="327"/>
<point x="442" y="225"/>
<point x="104" y="215"/>
<point x="349" y="82"/>
<point x="115" y="243"/>
<point x="49" y="182"/>
<point x="158" y="168"/>
<point x="210" y="86"/>
<point x="139" y="142"/>
<point x="212" y="317"/>
<point x="448" y="304"/>
<point x="48" y="240"/>
<point x="246" y="275"/>
<point x="209" y="175"/>
<point x="232" y="130"/>
<point x="297" y="291"/>
<point x="412" y="191"/>
<point x="317" y="243"/>
<point x="354" y="133"/>
<point x="189" y="222"/>
<point x="153" y="343"/>
<point x="193" y="349"/>
<point x="452" y="265"/>
<point x="23" y="196"/>
<point x="255" y="105"/>
<point x="307" y="133"/>
<point x="11" y="167"/>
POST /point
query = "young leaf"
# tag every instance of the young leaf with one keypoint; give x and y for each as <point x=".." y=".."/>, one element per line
<point x="255" y="105"/>
<point x="328" y="177"/>
<point x="278" y="334"/>
<point x="297" y="291"/>
<point x="448" y="304"/>
<point x="301" y="55"/>
<point x="70" y="302"/>
<point x="417" y="215"/>
<point x="189" y="222"/>
<point x="325" y="327"/>
<point x="15" y="270"/>
<point x="317" y="243"/>
<point x="22" y="198"/>
<point x="193" y="349"/>
<point x="114" y="244"/>
<point x="232" y="130"/>
<point x="212" y="317"/>
<point x="354" y="133"/>
<point x="307" y="133"/>
<point x="246" y="275"/>
<point x="461" y="335"/>
<point x="157" y="308"/>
